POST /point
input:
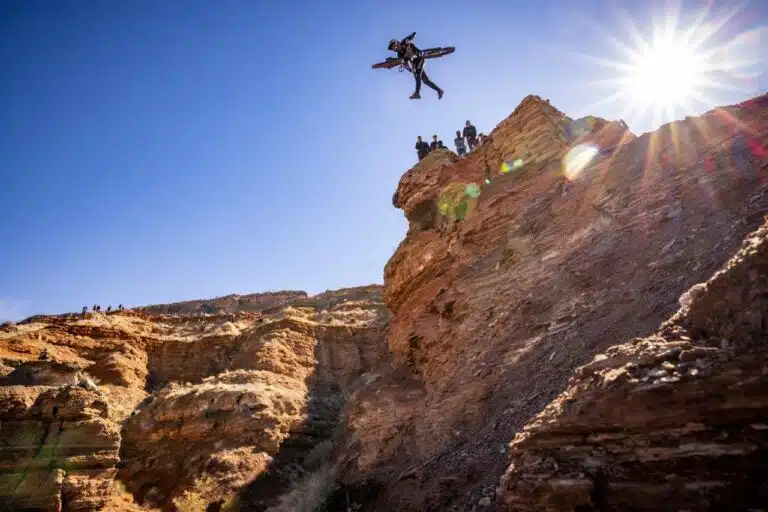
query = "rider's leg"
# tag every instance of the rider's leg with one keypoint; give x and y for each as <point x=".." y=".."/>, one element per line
<point x="417" y="78"/>
<point x="418" y="70"/>
<point x="422" y="76"/>
<point x="429" y="83"/>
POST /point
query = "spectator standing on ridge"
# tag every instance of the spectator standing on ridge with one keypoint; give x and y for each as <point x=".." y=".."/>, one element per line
<point x="461" y="147"/>
<point x="470" y="133"/>
<point x="422" y="148"/>
<point x="435" y="143"/>
<point x="109" y="308"/>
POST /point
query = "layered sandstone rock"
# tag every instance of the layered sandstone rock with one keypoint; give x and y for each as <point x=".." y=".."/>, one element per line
<point x="60" y="430"/>
<point x="674" y="421"/>
<point x="208" y="405"/>
<point x="522" y="261"/>
<point x="273" y="393"/>
<point x="252" y="302"/>
<point x="497" y="301"/>
<point x="58" y="448"/>
<point x="535" y="134"/>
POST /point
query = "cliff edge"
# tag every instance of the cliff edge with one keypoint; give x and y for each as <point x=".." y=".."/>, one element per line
<point x="523" y="261"/>
<point x="575" y="320"/>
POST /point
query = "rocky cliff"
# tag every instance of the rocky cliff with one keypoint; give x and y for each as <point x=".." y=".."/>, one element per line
<point x="673" y="421"/>
<point x="252" y="302"/>
<point x="522" y="262"/>
<point x="528" y="350"/>
<point x="186" y="410"/>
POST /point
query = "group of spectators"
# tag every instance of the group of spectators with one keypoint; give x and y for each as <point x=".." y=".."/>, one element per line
<point x="97" y="309"/>
<point x="465" y="141"/>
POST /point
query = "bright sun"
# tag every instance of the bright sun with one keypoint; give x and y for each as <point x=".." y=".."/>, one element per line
<point x="680" y="61"/>
<point x="666" y="74"/>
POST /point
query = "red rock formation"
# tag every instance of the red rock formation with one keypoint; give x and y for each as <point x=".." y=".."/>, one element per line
<point x="253" y="302"/>
<point x="58" y="449"/>
<point x="510" y="278"/>
<point x="495" y="302"/>
<point x="207" y="406"/>
<point x="675" y="421"/>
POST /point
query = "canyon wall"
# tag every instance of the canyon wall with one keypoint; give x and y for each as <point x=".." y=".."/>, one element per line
<point x="500" y="291"/>
<point x="187" y="411"/>
<point x="673" y="421"/>
<point x="575" y="320"/>
<point x="252" y="302"/>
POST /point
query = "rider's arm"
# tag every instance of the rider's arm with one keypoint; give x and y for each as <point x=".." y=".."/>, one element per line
<point x="409" y="38"/>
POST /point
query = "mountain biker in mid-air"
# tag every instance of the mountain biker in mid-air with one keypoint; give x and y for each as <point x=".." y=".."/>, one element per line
<point x="414" y="62"/>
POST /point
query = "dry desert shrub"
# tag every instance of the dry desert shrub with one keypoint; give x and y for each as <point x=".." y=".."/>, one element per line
<point x="122" y="500"/>
<point x="309" y="493"/>
<point x="205" y="492"/>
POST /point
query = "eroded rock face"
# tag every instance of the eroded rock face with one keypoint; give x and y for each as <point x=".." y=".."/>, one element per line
<point x="253" y="302"/>
<point x="282" y="394"/>
<point x="676" y="420"/>
<point x="518" y="267"/>
<point x="208" y="405"/>
<point x="493" y="309"/>
<point x="43" y="373"/>
<point x="58" y="448"/>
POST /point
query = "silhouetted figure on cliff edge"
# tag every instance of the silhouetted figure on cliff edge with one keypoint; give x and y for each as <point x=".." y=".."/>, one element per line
<point x="461" y="147"/>
<point x="435" y="144"/>
<point x="422" y="148"/>
<point x="470" y="133"/>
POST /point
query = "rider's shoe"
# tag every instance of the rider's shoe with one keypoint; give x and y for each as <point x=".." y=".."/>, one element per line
<point x="415" y="96"/>
<point x="440" y="94"/>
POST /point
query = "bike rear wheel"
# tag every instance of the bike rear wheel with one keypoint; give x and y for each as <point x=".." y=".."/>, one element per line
<point x="388" y="64"/>
<point x="431" y="53"/>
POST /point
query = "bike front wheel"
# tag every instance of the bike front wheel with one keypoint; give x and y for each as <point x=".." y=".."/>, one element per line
<point x="388" y="64"/>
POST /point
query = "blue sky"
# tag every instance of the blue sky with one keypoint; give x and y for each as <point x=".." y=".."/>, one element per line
<point x="160" y="151"/>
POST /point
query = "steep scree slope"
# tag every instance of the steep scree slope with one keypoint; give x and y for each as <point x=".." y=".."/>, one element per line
<point x="182" y="407"/>
<point x="498" y="299"/>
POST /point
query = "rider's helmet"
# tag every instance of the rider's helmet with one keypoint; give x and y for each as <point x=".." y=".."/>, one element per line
<point x="394" y="45"/>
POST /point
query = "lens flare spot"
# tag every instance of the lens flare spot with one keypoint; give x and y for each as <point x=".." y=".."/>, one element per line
<point x="456" y="200"/>
<point x="511" y="166"/>
<point x="473" y="190"/>
<point x="577" y="158"/>
<point x="580" y="127"/>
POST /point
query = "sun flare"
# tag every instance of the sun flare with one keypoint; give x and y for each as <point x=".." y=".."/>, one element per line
<point x="685" y="59"/>
<point x="667" y="74"/>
